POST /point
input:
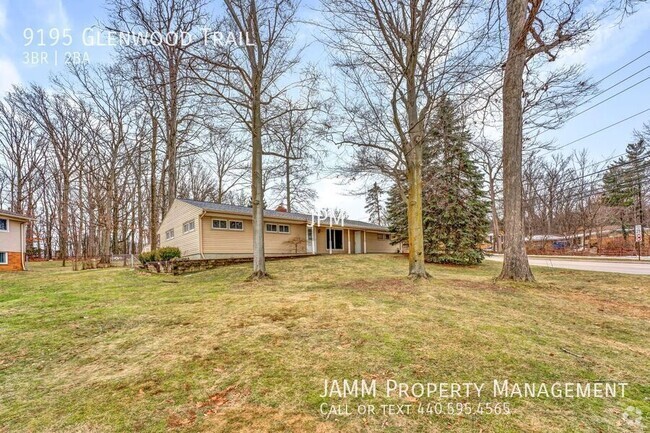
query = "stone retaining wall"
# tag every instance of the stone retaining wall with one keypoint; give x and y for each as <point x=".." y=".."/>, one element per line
<point x="179" y="267"/>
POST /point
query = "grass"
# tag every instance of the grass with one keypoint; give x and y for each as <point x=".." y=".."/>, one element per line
<point x="118" y="350"/>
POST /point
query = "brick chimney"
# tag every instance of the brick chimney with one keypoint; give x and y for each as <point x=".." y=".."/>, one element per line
<point x="281" y="208"/>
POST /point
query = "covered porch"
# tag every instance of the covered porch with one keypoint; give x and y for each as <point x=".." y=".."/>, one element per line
<point x="336" y="240"/>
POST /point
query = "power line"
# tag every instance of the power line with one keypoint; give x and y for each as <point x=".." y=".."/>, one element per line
<point x="622" y="67"/>
<point x="602" y="190"/>
<point x="635" y="170"/>
<point x="598" y="131"/>
<point x="612" y="86"/>
<point x="607" y="99"/>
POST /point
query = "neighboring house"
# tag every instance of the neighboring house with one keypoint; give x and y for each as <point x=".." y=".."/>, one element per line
<point x="211" y="230"/>
<point x="12" y="241"/>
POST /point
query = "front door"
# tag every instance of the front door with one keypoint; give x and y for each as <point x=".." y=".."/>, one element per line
<point x="357" y="242"/>
<point x="310" y="240"/>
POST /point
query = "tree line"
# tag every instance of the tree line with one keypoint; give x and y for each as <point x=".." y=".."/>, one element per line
<point x="99" y="155"/>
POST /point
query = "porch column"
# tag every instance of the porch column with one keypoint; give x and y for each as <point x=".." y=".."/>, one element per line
<point x="349" y="250"/>
<point x="365" y="237"/>
<point x="331" y="238"/>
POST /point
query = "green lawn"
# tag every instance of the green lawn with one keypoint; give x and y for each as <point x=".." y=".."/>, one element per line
<point x="120" y="350"/>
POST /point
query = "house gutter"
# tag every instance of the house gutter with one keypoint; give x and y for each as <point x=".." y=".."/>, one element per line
<point x="23" y="245"/>
<point x="201" y="233"/>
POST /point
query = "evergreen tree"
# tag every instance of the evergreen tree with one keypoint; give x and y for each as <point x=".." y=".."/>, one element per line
<point x="623" y="183"/>
<point x="374" y="207"/>
<point x="455" y="208"/>
<point x="396" y="216"/>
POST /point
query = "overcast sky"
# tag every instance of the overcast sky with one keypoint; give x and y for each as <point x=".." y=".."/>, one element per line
<point x="612" y="46"/>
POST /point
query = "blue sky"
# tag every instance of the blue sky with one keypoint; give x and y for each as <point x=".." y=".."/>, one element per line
<point x="612" y="46"/>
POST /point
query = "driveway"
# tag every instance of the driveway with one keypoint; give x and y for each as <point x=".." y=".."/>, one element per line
<point x="596" y="265"/>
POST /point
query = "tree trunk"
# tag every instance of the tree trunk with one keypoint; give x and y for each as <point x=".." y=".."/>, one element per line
<point x="153" y="199"/>
<point x="172" y="134"/>
<point x="105" y="255"/>
<point x="496" y="230"/>
<point x="257" y="191"/>
<point x="414" y="174"/>
<point x="515" y="260"/>
<point x="288" y="181"/>
<point x="65" y="209"/>
<point x="415" y="227"/>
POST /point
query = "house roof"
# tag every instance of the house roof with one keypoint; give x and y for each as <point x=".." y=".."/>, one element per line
<point x="14" y="215"/>
<point x="294" y="216"/>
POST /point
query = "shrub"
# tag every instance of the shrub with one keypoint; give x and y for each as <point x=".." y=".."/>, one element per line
<point x="146" y="257"/>
<point x="168" y="253"/>
<point x="160" y="255"/>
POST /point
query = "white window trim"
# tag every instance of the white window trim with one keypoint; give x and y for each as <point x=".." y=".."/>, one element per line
<point x="219" y="228"/>
<point x="5" y="231"/>
<point x="6" y="262"/>
<point x="277" y="225"/>
<point x="167" y="238"/>
<point x="193" y="228"/>
<point x="236" y="221"/>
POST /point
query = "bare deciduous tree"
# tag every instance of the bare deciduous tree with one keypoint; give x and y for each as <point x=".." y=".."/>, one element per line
<point x="248" y="78"/>
<point x="399" y="58"/>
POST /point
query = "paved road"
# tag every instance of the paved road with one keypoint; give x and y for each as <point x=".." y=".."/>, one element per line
<point x="588" y="265"/>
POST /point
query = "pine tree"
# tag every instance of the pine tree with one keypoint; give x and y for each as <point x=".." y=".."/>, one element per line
<point x="455" y="207"/>
<point x="396" y="216"/>
<point x="374" y="207"/>
<point x="623" y="183"/>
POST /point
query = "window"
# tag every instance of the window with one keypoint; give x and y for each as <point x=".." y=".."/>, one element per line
<point x="334" y="239"/>
<point x="4" y="225"/>
<point x="277" y="228"/>
<point x="188" y="227"/>
<point x="219" y="224"/>
<point x="3" y="258"/>
<point x="382" y="236"/>
<point x="169" y="234"/>
<point x="236" y="225"/>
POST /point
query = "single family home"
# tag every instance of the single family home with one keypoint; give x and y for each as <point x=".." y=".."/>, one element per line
<point x="12" y="241"/>
<point x="213" y="230"/>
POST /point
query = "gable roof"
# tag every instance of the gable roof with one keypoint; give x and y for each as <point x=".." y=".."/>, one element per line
<point x="294" y="216"/>
<point x="14" y="215"/>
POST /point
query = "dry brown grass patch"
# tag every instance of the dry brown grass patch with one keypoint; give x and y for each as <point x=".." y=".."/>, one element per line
<point x="391" y="285"/>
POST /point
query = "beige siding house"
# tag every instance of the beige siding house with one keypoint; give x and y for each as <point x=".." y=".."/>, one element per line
<point x="12" y="241"/>
<point x="211" y="230"/>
